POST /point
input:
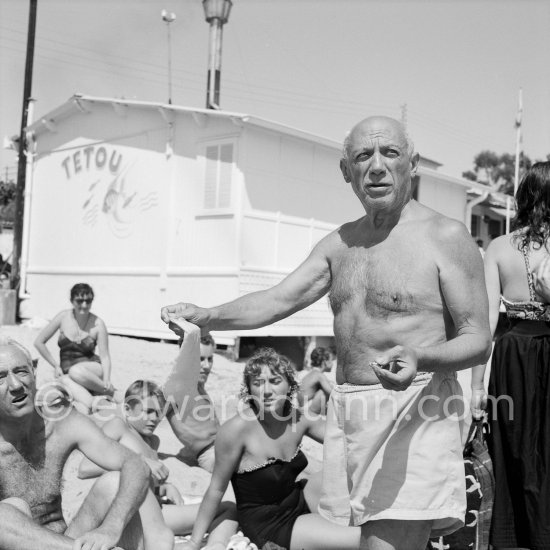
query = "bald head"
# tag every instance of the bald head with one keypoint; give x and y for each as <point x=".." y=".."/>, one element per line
<point x="368" y="124"/>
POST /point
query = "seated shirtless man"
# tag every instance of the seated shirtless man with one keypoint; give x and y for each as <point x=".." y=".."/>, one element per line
<point x="197" y="431"/>
<point x="35" y="443"/>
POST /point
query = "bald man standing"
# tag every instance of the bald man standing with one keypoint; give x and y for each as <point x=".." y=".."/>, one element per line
<point x="406" y="288"/>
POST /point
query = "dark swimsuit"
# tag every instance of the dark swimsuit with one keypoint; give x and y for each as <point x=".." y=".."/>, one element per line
<point x="520" y="437"/>
<point x="71" y="352"/>
<point x="269" y="500"/>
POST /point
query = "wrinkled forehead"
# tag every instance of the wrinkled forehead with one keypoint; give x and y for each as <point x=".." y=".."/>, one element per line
<point x="11" y="356"/>
<point x="382" y="130"/>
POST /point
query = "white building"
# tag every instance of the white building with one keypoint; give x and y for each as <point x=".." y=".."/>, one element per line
<point x="154" y="204"/>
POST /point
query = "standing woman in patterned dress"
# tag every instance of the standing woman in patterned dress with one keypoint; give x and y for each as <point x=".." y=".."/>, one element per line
<point x="519" y="385"/>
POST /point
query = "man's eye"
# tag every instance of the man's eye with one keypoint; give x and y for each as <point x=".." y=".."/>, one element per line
<point x="362" y="156"/>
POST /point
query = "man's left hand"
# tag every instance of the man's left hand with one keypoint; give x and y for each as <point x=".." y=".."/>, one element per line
<point x="97" y="539"/>
<point x="396" y="368"/>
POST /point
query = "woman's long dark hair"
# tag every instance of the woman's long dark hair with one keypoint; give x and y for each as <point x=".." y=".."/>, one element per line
<point x="533" y="207"/>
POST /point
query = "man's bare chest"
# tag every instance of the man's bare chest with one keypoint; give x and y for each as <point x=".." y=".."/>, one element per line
<point x="392" y="280"/>
<point x="30" y="474"/>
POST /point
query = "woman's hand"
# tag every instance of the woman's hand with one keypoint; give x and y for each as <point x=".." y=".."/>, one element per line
<point x="58" y="373"/>
<point x="478" y="403"/>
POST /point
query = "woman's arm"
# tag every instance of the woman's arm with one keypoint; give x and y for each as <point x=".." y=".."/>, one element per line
<point x="229" y="447"/>
<point x="492" y="282"/>
<point x="43" y="336"/>
<point x="103" y="350"/>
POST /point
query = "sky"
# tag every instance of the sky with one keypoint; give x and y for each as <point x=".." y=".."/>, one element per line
<point x="319" y="66"/>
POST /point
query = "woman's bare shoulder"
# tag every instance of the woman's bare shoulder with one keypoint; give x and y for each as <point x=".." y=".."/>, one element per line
<point x="238" y="425"/>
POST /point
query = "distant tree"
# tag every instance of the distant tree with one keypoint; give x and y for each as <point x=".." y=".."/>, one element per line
<point x="497" y="171"/>
<point x="7" y="201"/>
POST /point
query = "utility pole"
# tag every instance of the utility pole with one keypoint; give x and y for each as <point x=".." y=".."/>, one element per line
<point x="169" y="17"/>
<point x="23" y="150"/>
<point x="518" y="140"/>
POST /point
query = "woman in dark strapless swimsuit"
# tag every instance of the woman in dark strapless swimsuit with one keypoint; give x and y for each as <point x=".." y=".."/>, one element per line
<point x="84" y="372"/>
<point x="519" y="440"/>
<point x="258" y="450"/>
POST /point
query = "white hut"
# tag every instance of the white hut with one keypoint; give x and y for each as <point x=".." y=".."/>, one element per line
<point x="154" y="204"/>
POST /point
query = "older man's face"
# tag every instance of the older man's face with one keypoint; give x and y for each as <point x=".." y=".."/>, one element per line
<point x="17" y="383"/>
<point x="379" y="165"/>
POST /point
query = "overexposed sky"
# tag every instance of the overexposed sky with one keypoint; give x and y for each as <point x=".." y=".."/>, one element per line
<point x="316" y="65"/>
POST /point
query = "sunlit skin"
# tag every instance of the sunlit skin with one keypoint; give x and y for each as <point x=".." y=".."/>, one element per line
<point x="143" y="414"/>
<point x="17" y="384"/>
<point x="33" y="452"/>
<point x="269" y="392"/>
<point x="207" y="362"/>
<point x="82" y="304"/>
<point x="379" y="167"/>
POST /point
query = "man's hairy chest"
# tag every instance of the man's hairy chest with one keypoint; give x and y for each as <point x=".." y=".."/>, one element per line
<point x="30" y="474"/>
<point x="384" y="282"/>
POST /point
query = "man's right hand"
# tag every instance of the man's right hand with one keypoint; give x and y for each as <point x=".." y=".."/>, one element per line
<point x="197" y="315"/>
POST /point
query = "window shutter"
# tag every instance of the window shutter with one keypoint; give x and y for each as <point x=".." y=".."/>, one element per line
<point x="217" y="176"/>
<point x="226" y="165"/>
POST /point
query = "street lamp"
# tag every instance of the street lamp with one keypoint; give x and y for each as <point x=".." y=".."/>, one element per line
<point x="169" y="17"/>
<point x="216" y="12"/>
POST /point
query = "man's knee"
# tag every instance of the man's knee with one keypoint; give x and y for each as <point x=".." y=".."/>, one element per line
<point x="19" y="504"/>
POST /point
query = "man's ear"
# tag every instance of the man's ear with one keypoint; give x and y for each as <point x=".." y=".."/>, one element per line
<point x="345" y="170"/>
<point x="414" y="163"/>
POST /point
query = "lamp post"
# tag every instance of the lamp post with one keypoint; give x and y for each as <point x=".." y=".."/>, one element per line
<point x="216" y="12"/>
<point x="169" y="17"/>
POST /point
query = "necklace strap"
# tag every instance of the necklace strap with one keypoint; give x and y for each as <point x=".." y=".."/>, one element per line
<point x="532" y="293"/>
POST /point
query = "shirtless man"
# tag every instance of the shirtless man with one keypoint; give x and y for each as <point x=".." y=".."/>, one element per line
<point x="33" y="452"/>
<point x="197" y="431"/>
<point x="406" y="288"/>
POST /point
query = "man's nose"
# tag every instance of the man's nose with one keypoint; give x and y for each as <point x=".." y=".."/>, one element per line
<point x="377" y="165"/>
<point x="14" y="383"/>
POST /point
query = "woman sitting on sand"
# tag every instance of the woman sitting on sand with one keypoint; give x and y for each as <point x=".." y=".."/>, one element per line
<point x="84" y="373"/>
<point x="258" y="450"/>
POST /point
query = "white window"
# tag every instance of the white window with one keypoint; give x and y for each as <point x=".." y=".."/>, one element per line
<point x="217" y="175"/>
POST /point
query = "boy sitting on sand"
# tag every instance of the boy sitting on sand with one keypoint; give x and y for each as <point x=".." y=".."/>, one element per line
<point x="144" y="404"/>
